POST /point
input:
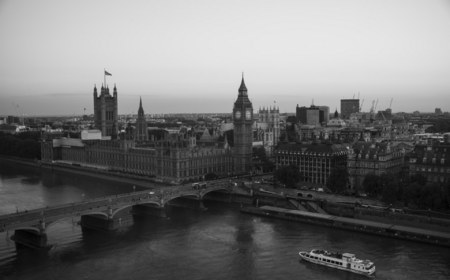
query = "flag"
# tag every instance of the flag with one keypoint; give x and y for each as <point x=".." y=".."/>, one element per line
<point x="107" y="73"/>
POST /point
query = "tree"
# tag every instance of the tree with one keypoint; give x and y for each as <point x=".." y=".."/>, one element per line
<point x="261" y="161"/>
<point x="291" y="133"/>
<point x="259" y="153"/>
<point x="25" y="145"/>
<point x="338" y="179"/>
<point x="210" y="176"/>
<point x="288" y="175"/>
<point x="371" y="185"/>
<point x="389" y="192"/>
<point x="433" y="197"/>
<point x="419" y="178"/>
<point x="411" y="194"/>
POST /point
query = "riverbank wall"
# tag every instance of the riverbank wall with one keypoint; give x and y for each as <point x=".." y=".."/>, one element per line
<point x="364" y="226"/>
<point x="386" y="215"/>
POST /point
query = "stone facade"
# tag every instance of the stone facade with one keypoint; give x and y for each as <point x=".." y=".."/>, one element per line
<point x="431" y="161"/>
<point x="243" y="131"/>
<point x="105" y="112"/>
<point x="268" y="128"/>
<point x="141" y="133"/>
<point x="373" y="158"/>
<point x="314" y="161"/>
<point x="171" y="159"/>
<point x="174" y="157"/>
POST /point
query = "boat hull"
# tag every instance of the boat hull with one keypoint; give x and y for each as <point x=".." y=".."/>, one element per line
<point x="303" y="256"/>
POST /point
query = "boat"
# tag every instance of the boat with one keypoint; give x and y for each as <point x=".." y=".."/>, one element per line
<point x="345" y="261"/>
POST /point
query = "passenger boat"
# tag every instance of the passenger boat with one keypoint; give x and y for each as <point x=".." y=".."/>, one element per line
<point x="345" y="261"/>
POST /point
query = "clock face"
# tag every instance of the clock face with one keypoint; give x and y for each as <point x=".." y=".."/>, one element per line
<point x="237" y="114"/>
<point x="248" y="114"/>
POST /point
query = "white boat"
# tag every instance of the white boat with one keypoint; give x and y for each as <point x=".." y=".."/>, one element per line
<point x="345" y="261"/>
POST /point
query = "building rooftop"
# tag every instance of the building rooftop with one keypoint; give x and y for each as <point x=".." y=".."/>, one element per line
<point x="315" y="148"/>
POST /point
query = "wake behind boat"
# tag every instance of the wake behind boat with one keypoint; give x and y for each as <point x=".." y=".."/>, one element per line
<point x="345" y="261"/>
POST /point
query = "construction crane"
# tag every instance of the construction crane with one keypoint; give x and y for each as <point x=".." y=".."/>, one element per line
<point x="376" y="104"/>
<point x="360" y="106"/>
<point x="390" y="104"/>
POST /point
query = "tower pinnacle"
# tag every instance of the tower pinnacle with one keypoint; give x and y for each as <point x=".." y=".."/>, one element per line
<point x="140" y="110"/>
<point x="243" y="88"/>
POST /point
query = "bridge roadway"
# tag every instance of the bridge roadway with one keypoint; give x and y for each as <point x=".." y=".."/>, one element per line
<point x="108" y="206"/>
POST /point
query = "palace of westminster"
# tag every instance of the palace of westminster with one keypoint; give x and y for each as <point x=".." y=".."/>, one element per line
<point x="174" y="157"/>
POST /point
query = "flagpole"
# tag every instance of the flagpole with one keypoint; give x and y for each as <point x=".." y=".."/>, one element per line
<point x="104" y="76"/>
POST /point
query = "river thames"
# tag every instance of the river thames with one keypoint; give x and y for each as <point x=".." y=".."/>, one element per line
<point x="190" y="243"/>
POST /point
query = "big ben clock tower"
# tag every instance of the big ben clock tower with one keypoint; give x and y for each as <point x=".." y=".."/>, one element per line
<point x="243" y="134"/>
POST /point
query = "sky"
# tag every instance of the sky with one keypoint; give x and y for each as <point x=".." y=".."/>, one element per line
<point x="188" y="56"/>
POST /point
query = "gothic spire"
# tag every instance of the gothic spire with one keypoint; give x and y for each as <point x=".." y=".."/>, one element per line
<point x="140" y="110"/>
<point x="242" y="88"/>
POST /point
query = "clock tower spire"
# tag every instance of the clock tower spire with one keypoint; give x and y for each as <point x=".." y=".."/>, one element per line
<point x="243" y="131"/>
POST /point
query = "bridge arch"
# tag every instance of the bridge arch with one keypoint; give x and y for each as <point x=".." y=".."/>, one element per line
<point x="121" y="209"/>
<point x="180" y="195"/>
<point x="49" y="223"/>
<point x="208" y="191"/>
<point x="103" y="214"/>
<point x="35" y="230"/>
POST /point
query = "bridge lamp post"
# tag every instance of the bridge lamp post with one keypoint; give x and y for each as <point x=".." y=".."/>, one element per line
<point x="110" y="211"/>
<point x="134" y="188"/>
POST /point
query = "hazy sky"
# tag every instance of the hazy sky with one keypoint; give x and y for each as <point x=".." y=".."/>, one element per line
<point x="188" y="56"/>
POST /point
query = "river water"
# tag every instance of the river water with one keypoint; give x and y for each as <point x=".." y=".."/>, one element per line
<point x="219" y="243"/>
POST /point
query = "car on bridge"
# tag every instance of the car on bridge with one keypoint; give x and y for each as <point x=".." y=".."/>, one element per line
<point x="198" y="186"/>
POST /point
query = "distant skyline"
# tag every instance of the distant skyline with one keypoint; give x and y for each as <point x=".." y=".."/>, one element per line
<point x="188" y="56"/>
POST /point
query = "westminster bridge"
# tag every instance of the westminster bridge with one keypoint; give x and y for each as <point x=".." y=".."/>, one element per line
<point x="103" y="213"/>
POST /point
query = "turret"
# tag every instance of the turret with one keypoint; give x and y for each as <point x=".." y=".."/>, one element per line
<point x="105" y="111"/>
<point x="95" y="91"/>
